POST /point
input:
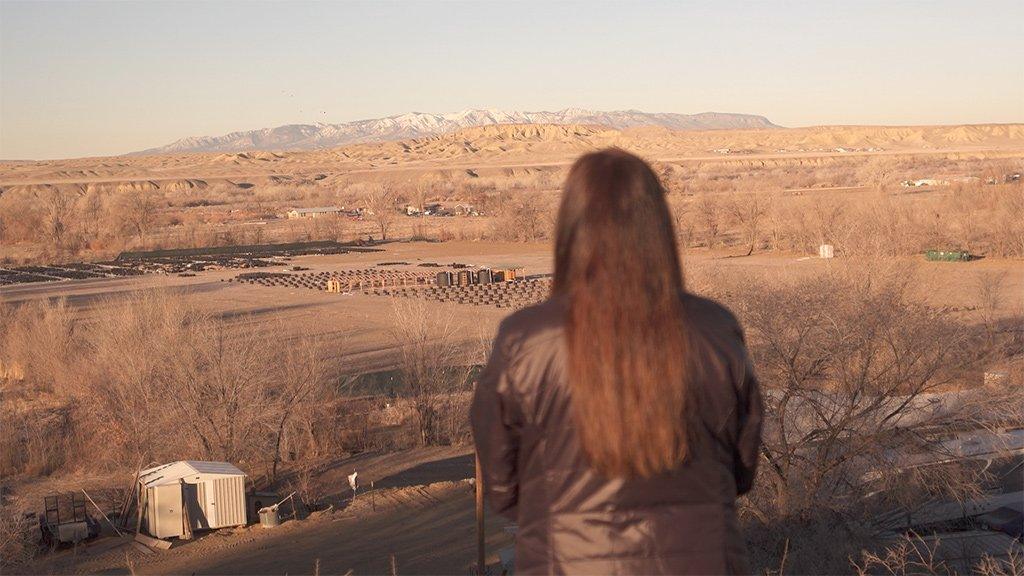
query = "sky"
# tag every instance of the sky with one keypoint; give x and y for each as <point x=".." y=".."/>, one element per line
<point x="102" y="78"/>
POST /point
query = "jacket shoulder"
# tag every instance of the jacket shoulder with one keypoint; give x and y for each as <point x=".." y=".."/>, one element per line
<point x="533" y="323"/>
<point x="712" y="313"/>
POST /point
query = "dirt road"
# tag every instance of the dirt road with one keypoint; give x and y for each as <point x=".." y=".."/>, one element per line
<point x="421" y="511"/>
<point x="432" y="533"/>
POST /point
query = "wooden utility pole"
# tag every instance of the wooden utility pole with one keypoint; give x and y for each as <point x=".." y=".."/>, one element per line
<point x="481" y="557"/>
<point x="138" y="507"/>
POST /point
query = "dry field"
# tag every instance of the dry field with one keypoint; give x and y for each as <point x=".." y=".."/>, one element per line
<point x="330" y="382"/>
<point x="782" y="190"/>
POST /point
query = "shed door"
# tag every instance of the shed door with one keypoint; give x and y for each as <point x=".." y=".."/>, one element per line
<point x="210" y="505"/>
<point x="168" y="519"/>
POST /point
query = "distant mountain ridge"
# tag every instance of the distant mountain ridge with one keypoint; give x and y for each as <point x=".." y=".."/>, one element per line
<point x="419" y="124"/>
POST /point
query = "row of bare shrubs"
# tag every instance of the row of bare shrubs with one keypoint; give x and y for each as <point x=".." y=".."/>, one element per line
<point x="851" y="362"/>
<point x="978" y="218"/>
<point x="154" y="378"/>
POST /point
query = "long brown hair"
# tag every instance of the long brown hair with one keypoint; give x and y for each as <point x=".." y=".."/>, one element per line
<point x="617" y="264"/>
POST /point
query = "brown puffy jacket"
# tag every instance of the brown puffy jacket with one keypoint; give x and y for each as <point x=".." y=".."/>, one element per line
<point x="574" y="521"/>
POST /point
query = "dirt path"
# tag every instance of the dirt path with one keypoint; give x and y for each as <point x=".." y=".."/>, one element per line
<point x="430" y="530"/>
<point x="422" y="511"/>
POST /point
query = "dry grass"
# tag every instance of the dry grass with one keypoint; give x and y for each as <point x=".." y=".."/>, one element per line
<point x="153" y="369"/>
<point x="159" y="377"/>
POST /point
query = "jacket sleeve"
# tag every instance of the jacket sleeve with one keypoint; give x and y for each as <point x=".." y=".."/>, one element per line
<point x="496" y="429"/>
<point x="750" y="410"/>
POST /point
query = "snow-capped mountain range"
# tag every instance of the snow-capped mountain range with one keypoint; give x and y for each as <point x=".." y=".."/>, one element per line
<point x="419" y="124"/>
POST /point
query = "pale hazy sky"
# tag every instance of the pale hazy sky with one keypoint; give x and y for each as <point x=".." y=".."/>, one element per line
<point x="92" y="78"/>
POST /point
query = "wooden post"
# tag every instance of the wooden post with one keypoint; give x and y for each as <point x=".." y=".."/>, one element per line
<point x="138" y="507"/>
<point x="186" y="519"/>
<point x="126" y="506"/>
<point x="481" y="558"/>
<point x="373" y="498"/>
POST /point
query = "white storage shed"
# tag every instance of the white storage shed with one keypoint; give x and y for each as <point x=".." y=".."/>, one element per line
<point x="208" y="494"/>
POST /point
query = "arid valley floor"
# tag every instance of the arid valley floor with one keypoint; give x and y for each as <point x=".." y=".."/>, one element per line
<point x="752" y="208"/>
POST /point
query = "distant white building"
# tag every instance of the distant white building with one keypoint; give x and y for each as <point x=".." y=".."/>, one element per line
<point x="941" y="181"/>
<point x="466" y="210"/>
<point x="923" y="182"/>
<point x="315" y="212"/>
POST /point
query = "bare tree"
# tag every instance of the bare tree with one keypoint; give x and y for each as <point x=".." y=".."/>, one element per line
<point x="424" y="188"/>
<point x="380" y="200"/>
<point x="749" y="212"/>
<point x="431" y="360"/>
<point x="329" y="227"/>
<point x="91" y="208"/>
<point x="133" y="348"/>
<point x="827" y="221"/>
<point x="877" y="173"/>
<point x="300" y="385"/>
<point x="138" y="211"/>
<point x="524" y="218"/>
<point x="58" y="211"/>
<point x="847" y="388"/>
<point x="991" y="287"/>
<point x="682" y="215"/>
<point x="221" y="389"/>
<point x="709" y="214"/>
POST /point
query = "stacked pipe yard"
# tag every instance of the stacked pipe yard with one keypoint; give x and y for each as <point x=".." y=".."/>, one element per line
<point x="483" y="276"/>
<point x="501" y="287"/>
<point x="338" y="281"/>
<point x="501" y="294"/>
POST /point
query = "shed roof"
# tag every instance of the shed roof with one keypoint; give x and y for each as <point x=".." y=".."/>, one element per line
<point x="173" y="472"/>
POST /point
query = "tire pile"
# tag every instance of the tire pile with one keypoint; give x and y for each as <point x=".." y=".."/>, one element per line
<point x="56" y="273"/>
<point x="349" y="280"/>
<point x="517" y="294"/>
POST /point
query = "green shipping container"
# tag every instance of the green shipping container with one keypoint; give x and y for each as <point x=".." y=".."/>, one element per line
<point x="947" y="255"/>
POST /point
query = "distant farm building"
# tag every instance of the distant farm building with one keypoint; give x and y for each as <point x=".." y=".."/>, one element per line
<point x="941" y="181"/>
<point x="438" y="209"/>
<point x="188" y="495"/>
<point x="314" y="212"/>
